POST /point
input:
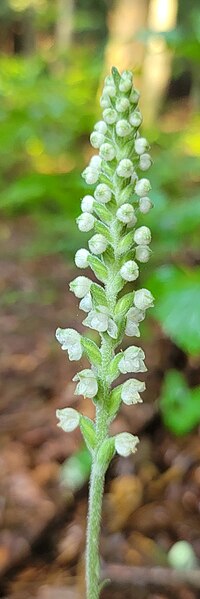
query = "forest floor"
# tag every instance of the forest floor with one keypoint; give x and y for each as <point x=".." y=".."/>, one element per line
<point x="151" y="500"/>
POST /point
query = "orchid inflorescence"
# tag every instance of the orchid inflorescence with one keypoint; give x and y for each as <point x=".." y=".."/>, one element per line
<point x="114" y="254"/>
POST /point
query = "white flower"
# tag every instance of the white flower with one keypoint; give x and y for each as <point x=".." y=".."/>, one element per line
<point x="131" y="390"/>
<point x="134" y="96"/>
<point x="80" y="286"/>
<point x="122" y="104"/>
<point x="101" y="127"/>
<point x="96" y="139"/>
<point x="85" y="222"/>
<point x="142" y="187"/>
<point x="87" y="204"/>
<point x="145" y="162"/>
<point x="104" y="101"/>
<point x="143" y="299"/>
<point x="98" y="244"/>
<point x="69" y="419"/>
<point x="70" y="340"/>
<point x="81" y="258"/>
<point x="123" y="128"/>
<point x="132" y="360"/>
<point x="96" y="162"/>
<point x="103" y="193"/>
<point x="129" y="271"/>
<point x="125" y="168"/>
<point x="87" y="385"/>
<point x="110" y="90"/>
<point x="110" y="116"/>
<point x="125" y="444"/>
<point x="100" y="320"/>
<point x="141" y="145"/>
<point x="90" y="174"/>
<point x="132" y="222"/>
<point x="126" y="81"/>
<point x="125" y="213"/>
<point x="107" y="152"/>
<point x="135" y="118"/>
<point x="86" y="303"/>
<point x="145" y="204"/>
<point x="142" y="253"/>
<point x="133" y="317"/>
<point x="135" y="314"/>
<point x="109" y="80"/>
<point x="142" y="235"/>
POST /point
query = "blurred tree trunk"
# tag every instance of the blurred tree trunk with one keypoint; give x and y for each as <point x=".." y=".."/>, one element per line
<point x="24" y="33"/>
<point x="125" y="20"/>
<point x="158" y="59"/>
<point x="64" y="25"/>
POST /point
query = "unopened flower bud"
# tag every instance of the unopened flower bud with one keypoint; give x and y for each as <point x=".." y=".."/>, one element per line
<point x="123" y="128"/>
<point x="87" y="203"/>
<point x="135" y="118"/>
<point x="85" y="222"/>
<point x="103" y="193"/>
<point x="101" y="127"/>
<point x="131" y="390"/>
<point x="125" y="168"/>
<point x="95" y="162"/>
<point x="145" y="162"/>
<point x="141" y="145"/>
<point x="110" y="90"/>
<point x="142" y="236"/>
<point x="134" y="96"/>
<point x="107" y="151"/>
<point x="105" y="101"/>
<point x="91" y="175"/>
<point x="110" y="116"/>
<point x="68" y="419"/>
<point x="81" y="257"/>
<point x="142" y="187"/>
<point x="80" y="286"/>
<point x="126" y="81"/>
<point x="125" y="213"/>
<point x="98" y="244"/>
<point x="122" y="104"/>
<point x="142" y="253"/>
<point x="126" y="444"/>
<point x="96" y="139"/>
<point x="129" y="271"/>
<point x="145" y="205"/>
<point x="143" y="299"/>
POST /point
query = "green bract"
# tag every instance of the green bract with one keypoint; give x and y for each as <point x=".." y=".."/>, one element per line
<point x="115" y="250"/>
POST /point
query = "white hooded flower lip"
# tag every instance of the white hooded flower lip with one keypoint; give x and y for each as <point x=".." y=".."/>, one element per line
<point x="145" y="204"/>
<point x="142" y="187"/>
<point x="105" y="101"/>
<point x="80" y="286"/>
<point x="145" y="162"/>
<point x="129" y="271"/>
<point x="135" y="118"/>
<point x="70" y="340"/>
<point x="85" y="222"/>
<point x="132" y="360"/>
<point x="86" y="303"/>
<point x="143" y="299"/>
<point x="68" y="419"/>
<point x="96" y="162"/>
<point x="97" y="320"/>
<point x="87" y="203"/>
<point x="142" y="253"/>
<point x="123" y="128"/>
<point x="103" y="193"/>
<point x="98" y="244"/>
<point x="131" y="390"/>
<point x="125" y="168"/>
<point x="101" y="127"/>
<point x="90" y="174"/>
<point x="125" y="213"/>
<point x="107" y="152"/>
<point x="141" y="145"/>
<point x="126" y="444"/>
<point x="96" y="139"/>
<point x="81" y="258"/>
<point x="87" y="385"/>
<point x="142" y="236"/>
<point x="110" y="116"/>
<point x="122" y="104"/>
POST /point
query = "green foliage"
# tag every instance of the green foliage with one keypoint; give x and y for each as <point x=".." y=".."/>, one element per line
<point x="177" y="305"/>
<point x="180" y="405"/>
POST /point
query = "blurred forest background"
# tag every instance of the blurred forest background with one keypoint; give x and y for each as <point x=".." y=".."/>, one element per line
<point x="54" y="55"/>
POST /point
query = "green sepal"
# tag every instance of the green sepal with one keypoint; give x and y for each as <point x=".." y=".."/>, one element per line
<point x="105" y="455"/>
<point x="109" y="257"/>
<point x="119" y="283"/>
<point x="113" y="371"/>
<point x="114" y="402"/>
<point x="103" y="230"/>
<point x="88" y="431"/>
<point x="116" y="75"/>
<point x="98" y="295"/>
<point x="103" y="212"/>
<point x="92" y="351"/>
<point x="126" y="195"/>
<point x="121" y="330"/>
<point x="124" y="304"/>
<point x="126" y="243"/>
<point x="98" y="268"/>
